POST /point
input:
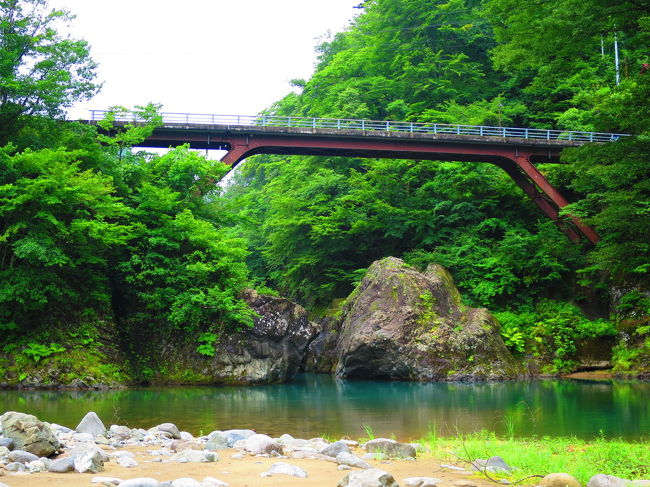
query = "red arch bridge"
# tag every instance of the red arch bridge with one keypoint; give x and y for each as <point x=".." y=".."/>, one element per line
<point x="515" y="150"/>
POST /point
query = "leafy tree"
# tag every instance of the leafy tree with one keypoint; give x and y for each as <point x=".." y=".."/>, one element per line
<point x="180" y="270"/>
<point x="58" y="224"/>
<point x="41" y="71"/>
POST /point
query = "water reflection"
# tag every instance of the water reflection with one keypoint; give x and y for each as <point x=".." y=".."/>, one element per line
<point x="314" y="405"/>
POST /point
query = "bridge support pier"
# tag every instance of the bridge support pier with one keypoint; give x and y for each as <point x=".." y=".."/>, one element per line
<point x="537" y="187"/>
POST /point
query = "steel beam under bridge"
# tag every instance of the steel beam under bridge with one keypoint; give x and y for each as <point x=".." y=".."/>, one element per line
<point x="515" y="155"/>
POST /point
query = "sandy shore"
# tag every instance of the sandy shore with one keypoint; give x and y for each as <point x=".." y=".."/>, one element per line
<point x="245" y="472"/>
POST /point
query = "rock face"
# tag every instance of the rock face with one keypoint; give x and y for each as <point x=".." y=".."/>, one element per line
<point x="29" y="434"/>
<point x="402" y="324"/>
<point x="272" y="351"/>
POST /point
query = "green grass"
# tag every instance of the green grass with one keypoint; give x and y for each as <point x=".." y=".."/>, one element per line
<point x="544" y="455"/>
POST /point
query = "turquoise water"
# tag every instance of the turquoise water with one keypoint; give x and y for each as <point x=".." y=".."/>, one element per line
<point x="315" y="405"/>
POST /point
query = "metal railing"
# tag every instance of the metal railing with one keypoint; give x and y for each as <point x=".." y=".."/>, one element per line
<point x="370" y="125"/>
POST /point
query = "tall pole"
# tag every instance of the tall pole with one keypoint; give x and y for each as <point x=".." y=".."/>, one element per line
<point x="618" y="74"/>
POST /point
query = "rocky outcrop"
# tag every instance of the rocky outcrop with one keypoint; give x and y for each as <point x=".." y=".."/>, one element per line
<point x="321" y="352"/>
<point x="29" y="434"/>
<point x="403" y="324"/>
<point x="272" y="351"/>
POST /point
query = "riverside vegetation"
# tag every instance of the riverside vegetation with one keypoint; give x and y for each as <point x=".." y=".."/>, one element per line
<point x="105" y="252"/>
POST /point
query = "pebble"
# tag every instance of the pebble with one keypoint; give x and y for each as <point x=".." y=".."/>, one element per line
<point x="421" y="482"/>
<point x="140" y="482"/>
<point x="186" y="482"/>
<point x="106" y="480"/>
<point x="285" y="469"/>
<point x="559" y="480"/>
<point x="216" y="482"/>
<point x="463" y="483"/>
<point x="351" y="460"/>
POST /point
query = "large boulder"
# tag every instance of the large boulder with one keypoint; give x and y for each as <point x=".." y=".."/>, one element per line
<point x="403" y="324"/>
<point x="92" y="425"/>
<point x="273" y="350"/>
<point x="29" y="434"/>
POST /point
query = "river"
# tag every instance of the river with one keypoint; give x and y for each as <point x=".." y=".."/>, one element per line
<point x="315" y="405"/>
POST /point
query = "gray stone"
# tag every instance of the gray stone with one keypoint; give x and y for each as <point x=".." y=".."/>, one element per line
<point x="217" y="440"/>
<point x="84" y="437"/>
<point x="282" y="468"/>
<point x="195" y="456"/>
<point x="335" y="448"/>
<point x="185" y="436"/>
<point x="61" y="465"/>
<point x="312" y="455"/>
<point x="233" y="436"/>
<point x="262" y="444"/>
<point x="602" y="480"/>
<point x="90" y="461"/>
<point x="421" y="482"/>
<point x="59" y="428"/>
<point x="116" y="429"/>
<point x="82" y="448"/>
<point x="36" y="466"/>
<point x="373" y="477"/>
<point x="344" y="467"/>
<point x="559" y="480"/>
<point x="15" y="467"/>
<point x="140" y="482"/>
<point x="7" y="443"/>
<point x="345" y="458"/>
<point x="180" y="445"/>
<point x="494" y="464"/>
<point x="122" y="453"/>
<point x="21" y="456"/>
<point x="29" y="434"/>
<point x="92" y="425"/>
<point x="390" y="447"/>
<point x="186" y="482"/>
<point x="640" y="483"/>
<point x="213" y="482"/>
<point x="126" y="461"/>
<point x="464" y="483"/>
<point x="106" y="480"/>
<point x="171" y="429"/>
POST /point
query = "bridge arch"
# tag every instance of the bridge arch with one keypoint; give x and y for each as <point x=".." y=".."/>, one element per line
<point x="515" y="150"/>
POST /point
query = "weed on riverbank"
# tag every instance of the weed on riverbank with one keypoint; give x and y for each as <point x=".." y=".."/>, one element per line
<point x="544" y="455"/>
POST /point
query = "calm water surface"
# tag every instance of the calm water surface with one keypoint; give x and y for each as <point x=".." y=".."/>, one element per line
<point x="315" y="405"/>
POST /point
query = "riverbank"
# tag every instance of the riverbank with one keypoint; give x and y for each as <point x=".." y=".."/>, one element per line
<point x="36" y="453"/>
<point x="247" y="471"/>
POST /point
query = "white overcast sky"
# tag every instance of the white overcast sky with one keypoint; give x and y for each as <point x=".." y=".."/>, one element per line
<point x="202" y="56"/>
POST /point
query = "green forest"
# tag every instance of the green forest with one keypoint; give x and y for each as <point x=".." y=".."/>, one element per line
<point x="97" y="236"/>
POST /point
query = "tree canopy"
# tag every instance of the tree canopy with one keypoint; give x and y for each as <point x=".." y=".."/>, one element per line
<point x="42" y="72"/>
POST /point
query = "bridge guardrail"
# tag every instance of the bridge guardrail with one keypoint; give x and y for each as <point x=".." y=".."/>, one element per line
<point x="371" y="125"/>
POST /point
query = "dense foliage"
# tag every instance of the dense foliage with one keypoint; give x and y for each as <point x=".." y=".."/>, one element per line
<point x="314" y="224"/>
<point x="92" y="232"/>
<point x="103" y="234"/>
